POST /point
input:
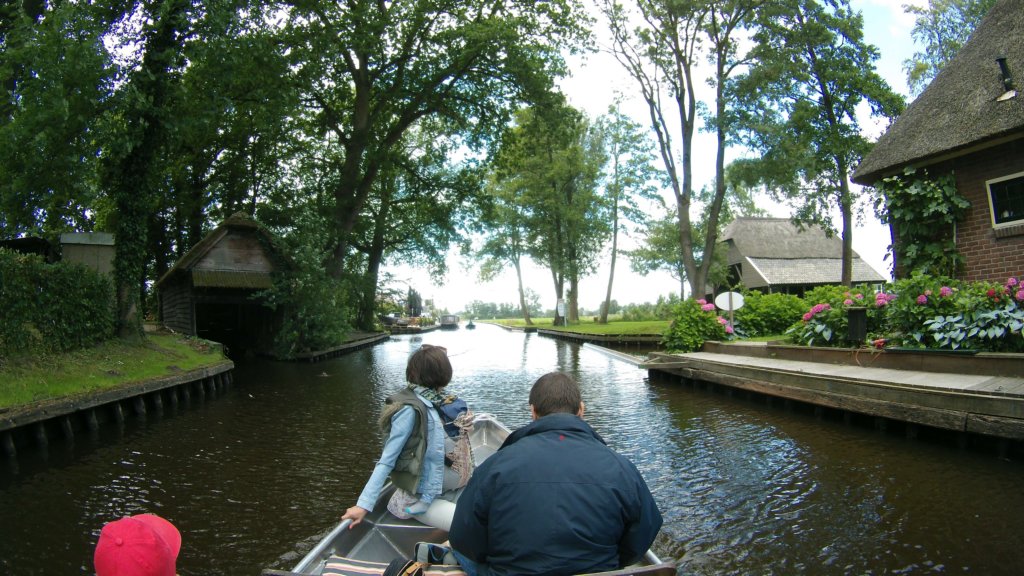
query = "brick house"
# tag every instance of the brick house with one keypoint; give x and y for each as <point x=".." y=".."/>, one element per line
<point x="970" y="122"/>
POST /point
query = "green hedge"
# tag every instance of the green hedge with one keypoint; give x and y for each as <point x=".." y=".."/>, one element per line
<point x="52" y="307"/>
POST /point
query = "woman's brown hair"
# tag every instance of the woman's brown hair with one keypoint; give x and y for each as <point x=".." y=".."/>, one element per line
<point x="429" y="367"/>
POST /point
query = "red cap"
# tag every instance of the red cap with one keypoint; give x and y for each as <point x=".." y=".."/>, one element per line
<point x="140" y="545"/>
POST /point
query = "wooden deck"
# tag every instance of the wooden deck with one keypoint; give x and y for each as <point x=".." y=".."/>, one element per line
<point x="985" y="395"/>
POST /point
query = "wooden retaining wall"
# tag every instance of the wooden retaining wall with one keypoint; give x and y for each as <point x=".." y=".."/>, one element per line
<point x="40" y="423"/>
<point x="355" y="343"/>
<point x="976" y="395"/>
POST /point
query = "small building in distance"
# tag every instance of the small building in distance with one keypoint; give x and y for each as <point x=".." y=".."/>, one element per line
<point x="93" y="249"/>
<point x="213" y="291"/>
<point x="774" y="255"/>
<point x="969" y="122"/>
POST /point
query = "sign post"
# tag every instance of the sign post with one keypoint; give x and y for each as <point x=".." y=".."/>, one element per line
<point x="729" y="301"/>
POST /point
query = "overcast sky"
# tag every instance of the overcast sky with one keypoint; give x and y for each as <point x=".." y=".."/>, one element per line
<point x="592" y="88"/>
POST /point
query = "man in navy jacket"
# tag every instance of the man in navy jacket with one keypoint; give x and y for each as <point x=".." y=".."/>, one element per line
<point x="554" y="499"/>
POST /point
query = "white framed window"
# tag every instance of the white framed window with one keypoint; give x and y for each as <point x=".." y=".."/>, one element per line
<point x="1006" y="200"/>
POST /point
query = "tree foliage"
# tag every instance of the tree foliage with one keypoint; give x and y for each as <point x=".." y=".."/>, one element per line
<point x="370" y="71"/>
<point x="630" y="179"/>
<point x="553" y="159"/>
<point x="941" y="28"/>
<point x="800" y="101"/>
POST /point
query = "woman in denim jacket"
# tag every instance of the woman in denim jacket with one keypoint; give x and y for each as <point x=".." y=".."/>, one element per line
<point x="414" y="452"/>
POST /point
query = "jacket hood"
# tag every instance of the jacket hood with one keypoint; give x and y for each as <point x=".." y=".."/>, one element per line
<point x="561" y="422"/>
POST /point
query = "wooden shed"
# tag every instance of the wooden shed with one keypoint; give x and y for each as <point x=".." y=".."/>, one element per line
<point x="93" y="249"/>
<point x="214" y="290"/>
<point x="775" y="255"/>
<point x="970" y="122"/>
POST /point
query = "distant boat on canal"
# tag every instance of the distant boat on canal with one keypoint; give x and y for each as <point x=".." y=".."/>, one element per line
<point x="449" y="322"/>
<point x="470" y="325"/>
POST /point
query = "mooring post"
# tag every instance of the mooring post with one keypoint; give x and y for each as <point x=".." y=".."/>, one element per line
<point x="69" y="430"/>
<point x="90" y="420"/>
<point x="41" y="437"/>
<point x="9" y="448"/>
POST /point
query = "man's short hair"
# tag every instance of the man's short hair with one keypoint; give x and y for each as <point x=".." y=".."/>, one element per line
<point x="429" y="367"/>
<point x="553" y="393"/>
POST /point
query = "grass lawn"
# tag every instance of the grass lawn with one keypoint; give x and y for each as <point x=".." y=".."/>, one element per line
<point x="590" y="327"/>
<point x="112" y="363"/>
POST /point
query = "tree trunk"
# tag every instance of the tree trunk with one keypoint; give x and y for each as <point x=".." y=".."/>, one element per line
<point x="128" y="176"/>
<point x="611" y="274"/>
<point x="846" y="204"/>
<point x="523" y="307"/>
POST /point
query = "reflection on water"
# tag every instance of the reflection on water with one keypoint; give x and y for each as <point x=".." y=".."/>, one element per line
<point x="255" y="477"/>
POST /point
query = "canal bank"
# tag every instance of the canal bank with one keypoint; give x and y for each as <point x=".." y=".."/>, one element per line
<point x="38" y="424"/>
<point x="973" y="394"/>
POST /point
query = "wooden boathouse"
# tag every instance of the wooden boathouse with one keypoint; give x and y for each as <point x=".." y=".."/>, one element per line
<point x="972" y="394"/>
<point x="213" y="291"/>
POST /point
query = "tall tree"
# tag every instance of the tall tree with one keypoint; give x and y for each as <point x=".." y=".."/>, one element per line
<point x="129" y="167"/>
<point x="629" y="180"/>
<point x="554" y="156"/>
<point x="661" y="44"/>
<point x="418" y="214"/>
<point x="940" y="28"/>
<point x="800" y="110"/>
<point x="372" y="70"/>
<point x="505" y="234"/>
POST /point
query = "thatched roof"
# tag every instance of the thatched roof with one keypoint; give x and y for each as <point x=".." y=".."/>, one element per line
<point x="234" y="275"/>
<point x="960" y="111"/>
<point x="781" y="253"/>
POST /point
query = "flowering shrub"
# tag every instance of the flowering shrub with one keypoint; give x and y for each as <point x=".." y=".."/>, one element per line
<point x="979" y="316"/>
<point x="827" y="322"/>
<point x="693" y="323"/>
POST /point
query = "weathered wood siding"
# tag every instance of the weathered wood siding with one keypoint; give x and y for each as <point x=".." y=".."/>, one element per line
<point x="177" y="307"/>
<point x="239" y="251"/>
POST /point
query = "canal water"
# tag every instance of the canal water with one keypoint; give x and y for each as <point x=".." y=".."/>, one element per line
<point x="256" y="476"/>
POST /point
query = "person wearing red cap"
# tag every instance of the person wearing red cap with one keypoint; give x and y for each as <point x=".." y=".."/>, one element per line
<point x="140" y="545"/>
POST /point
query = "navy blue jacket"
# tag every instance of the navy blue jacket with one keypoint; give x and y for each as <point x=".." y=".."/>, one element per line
<point x="554" y="500"/>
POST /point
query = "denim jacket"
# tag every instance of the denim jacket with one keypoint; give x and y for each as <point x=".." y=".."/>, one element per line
<point x="402" y="424"/>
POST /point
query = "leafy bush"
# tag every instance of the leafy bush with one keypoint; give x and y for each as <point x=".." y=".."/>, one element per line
<point x="52" y="307"/>
<point x="661" y="310"/>
<point x="767" y="314"/>
<point x="693" y="323"/>
<point x="314" y="307"/>
<point x="940" y="313"/>
<point x="930" y="312"/>
<point x="827" y="321"/>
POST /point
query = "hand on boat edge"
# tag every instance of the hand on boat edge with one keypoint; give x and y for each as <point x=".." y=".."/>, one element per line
<point x="355" y="514"/>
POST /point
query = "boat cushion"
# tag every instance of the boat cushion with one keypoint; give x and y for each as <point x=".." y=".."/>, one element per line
<point x="342" y="566"/>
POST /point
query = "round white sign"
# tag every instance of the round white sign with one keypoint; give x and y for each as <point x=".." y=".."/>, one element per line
<point x="729" y="301"/>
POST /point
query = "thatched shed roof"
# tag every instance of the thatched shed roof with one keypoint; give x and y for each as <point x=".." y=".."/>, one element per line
<point x="960" y="112"/>
<point x="244" y="266"/>
<point x="781" y="253"/>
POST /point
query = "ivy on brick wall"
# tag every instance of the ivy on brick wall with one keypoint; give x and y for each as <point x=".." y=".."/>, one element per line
<point x="51" y="307"/>
<point x="924" y="211"/>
